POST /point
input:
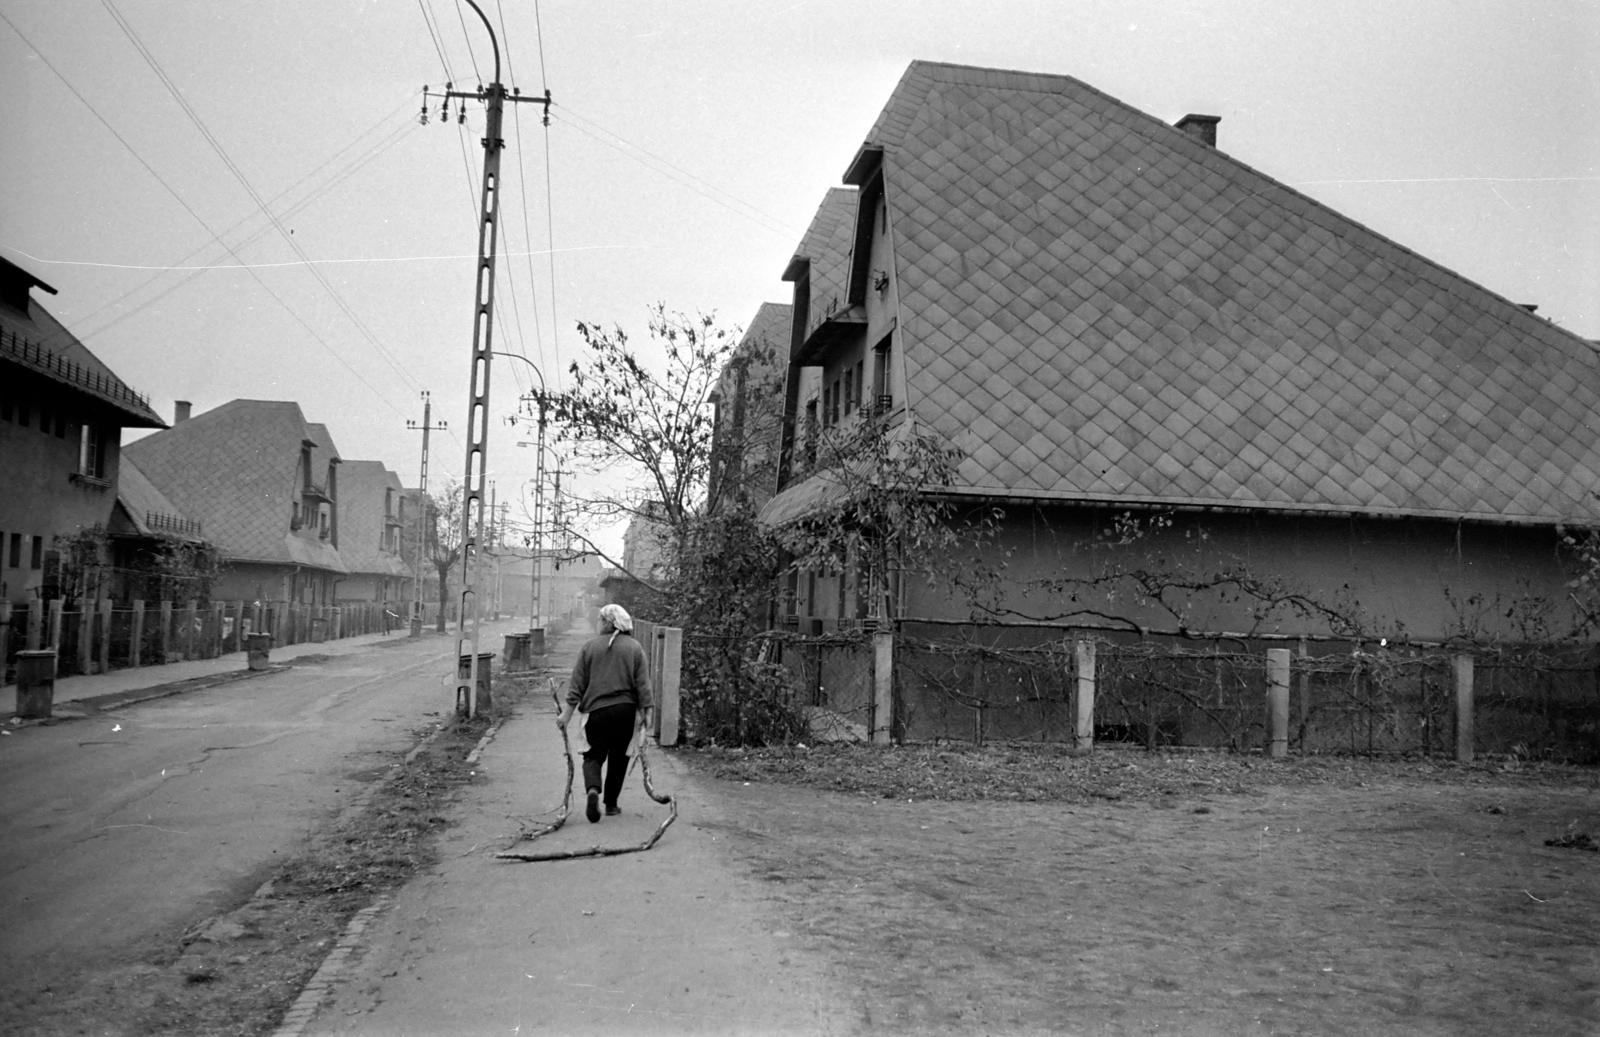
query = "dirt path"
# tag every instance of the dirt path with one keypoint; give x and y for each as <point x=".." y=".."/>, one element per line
<point x="1403" y="907"/>
<point x="669" y="941"/>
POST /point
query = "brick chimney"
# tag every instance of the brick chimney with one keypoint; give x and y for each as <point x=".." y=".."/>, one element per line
<point x="1202" y="128"/>
<point x="180" y="410"/>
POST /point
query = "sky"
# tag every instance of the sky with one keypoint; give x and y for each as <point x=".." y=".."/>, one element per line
<point x="689" y="145"/>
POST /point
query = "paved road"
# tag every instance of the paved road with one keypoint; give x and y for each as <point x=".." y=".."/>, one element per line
<point x="679" y="940"/>
<point x="129" y="826"/>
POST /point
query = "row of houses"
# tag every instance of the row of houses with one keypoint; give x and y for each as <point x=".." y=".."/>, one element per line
<point x="1111" y="319"/>
<point x="251" y="492"/>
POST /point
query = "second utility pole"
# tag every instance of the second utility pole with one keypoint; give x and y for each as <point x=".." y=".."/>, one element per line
<point x="471" y="613"/>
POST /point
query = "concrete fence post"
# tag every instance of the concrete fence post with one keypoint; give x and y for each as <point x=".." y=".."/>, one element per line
<point x="32" y="639"/>
<point x="1464" y="708"/>
<point x="1083" y="653"/>
<point x="85" y="636"/>
<point x="165" y="646"/>
<point x="136" y="635"/>
<point x="1278" y="701"/>
<point x="189" y="639"/>
<point x="105" y="635"/>
<point x="218" y="611"/>
<point x="54" y="630"/>
<point x="671" y="685"/>
<point x="882" y="686"/>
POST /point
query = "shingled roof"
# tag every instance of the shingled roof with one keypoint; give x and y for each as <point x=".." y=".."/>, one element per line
<point x="1097" y="307"/>
<point x="362" y="522"/>
<point x="235" y="469"/>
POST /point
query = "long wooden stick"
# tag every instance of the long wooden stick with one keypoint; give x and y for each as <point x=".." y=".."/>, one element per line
<point x="566" y="809"/>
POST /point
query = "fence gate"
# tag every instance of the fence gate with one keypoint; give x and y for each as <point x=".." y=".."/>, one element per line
<point x="663" y="648"/>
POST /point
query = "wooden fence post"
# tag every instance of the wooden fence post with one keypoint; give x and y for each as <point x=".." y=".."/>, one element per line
<point x="218" y="611"/>
<point x="1463" y="668"/>
<point x="105" y="635"/>
<point x="166" y="632"/>
<point x="1278" y="701"/>
<point x="55" y="626"/>
<point x="35" y="625"/>
<point x="882" y="686"/>
<point x="136" y="636"/>
<point x="1083" y="651"/>
<point x="1304" y="682"/>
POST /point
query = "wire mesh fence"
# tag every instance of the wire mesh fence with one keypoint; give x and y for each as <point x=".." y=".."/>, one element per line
<point x="1020" y="684"/>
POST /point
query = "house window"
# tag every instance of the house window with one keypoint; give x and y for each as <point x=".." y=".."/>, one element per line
<point x="36" y="559"/>
<point x="833" y="415"/>
<point x="16" y="550"/>
<point x="294" y="515"/>
<point x="880" y="376"/>
<point x="849" y="390"/>
<point x="860" y="384"/>
<point x="91" y="451"/>
<point x="61" y="425"/>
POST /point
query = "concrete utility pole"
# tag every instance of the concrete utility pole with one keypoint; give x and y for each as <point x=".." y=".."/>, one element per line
<point x="535" y="624"/>
<point x="423" y="509"/>
<point x="470" y="620"/>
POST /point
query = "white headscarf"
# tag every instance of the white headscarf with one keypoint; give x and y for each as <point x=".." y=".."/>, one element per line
<point x="617" y="616"/>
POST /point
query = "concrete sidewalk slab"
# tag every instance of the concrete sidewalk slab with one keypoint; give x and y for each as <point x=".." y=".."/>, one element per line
<point x="673" y="940"/>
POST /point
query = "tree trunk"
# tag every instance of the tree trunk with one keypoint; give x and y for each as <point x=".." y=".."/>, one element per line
<point x="444" y="597"/>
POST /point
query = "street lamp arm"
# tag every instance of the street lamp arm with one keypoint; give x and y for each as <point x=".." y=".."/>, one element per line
<point x="543" y="392"/>
<point x="492" y="41"/>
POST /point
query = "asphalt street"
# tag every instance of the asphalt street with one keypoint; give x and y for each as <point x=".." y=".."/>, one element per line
<point x="129" y="826"/>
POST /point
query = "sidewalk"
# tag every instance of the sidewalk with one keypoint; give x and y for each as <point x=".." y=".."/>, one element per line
<point x="673" y="940"/>
<point x="149" y="678"/>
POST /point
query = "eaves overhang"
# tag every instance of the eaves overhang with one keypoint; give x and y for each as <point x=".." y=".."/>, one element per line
<point x="864" y="165"/>
<point x="837" y="330"/>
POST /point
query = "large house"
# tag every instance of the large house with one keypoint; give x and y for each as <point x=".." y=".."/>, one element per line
<point x="748" y="401"/>
<point x="264" y="485"/>
<point x="372" y="516"/>
<point x="62" y="413"/>
<point x="1108" y="315"/>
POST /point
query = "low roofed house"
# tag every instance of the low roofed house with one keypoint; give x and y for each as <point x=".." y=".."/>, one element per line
<point x="1105" y="313"/>
<point x="146" y="530"/>
<point x="372" y="515"/>
<point x="264" y="485"/>
<point x="62" y="412"/>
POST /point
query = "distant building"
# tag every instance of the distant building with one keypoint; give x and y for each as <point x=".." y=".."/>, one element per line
<point x="264" y="484"/>
<point x="373" y="513"/>
<point x="748" y="425"/>
<point x="62" y="413"/>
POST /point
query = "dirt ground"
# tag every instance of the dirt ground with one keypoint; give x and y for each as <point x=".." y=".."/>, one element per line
<point x="1017" y="890"/>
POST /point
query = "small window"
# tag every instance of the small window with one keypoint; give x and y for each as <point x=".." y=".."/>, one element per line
<point x="294" y="516"/>
<point x="860" y="382"/>
<point x="811" y="433"/>
<point x="91" y="451"/>
<point x="849" y="390"/>
<point x="833" y="415"/>
<point x="16" y="551"/>
<point x="36" y="561"/>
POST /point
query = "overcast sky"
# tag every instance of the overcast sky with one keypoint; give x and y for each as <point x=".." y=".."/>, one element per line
<point x="689" y="145"/>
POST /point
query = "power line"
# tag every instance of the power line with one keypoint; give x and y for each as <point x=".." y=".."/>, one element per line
<point x="238" y="174"/>
<point x="468" y="37"/>
<point x="755" y="214"/>
<point x="437" y="48"/>
<point x="196" y="216"/>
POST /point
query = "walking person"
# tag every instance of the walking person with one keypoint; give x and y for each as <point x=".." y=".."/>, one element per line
<point x="611" y="686"/>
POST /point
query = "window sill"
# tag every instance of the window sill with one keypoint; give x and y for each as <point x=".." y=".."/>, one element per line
<point x="93" y="481"/>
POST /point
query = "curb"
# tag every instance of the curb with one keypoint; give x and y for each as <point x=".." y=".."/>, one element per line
<point x="305" y="1007"/>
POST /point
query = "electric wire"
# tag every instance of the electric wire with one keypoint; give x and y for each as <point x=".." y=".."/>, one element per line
<point x="706" y="189"/>
<point x="461" y="17"/>
<point x="255" y="196"/>
<point x="549" y="206"/>
<point x="196" y="216"/>
<point x="437" y="46"/>
<point x="345" y="173"/>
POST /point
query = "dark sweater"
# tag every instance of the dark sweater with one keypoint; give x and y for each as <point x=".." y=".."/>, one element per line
<point x="610" y="673"/>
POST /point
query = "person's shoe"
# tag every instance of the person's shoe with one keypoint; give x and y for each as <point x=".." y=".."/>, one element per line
<point x="612" y="810"/>
<point x="593" y="812"/>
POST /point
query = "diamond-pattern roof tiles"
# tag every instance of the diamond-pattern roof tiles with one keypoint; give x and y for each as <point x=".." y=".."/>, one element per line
<point x="1096" y="306"/>
<point x="235" y="470"/>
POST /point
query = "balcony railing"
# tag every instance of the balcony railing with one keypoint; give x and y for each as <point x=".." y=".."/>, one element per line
<point x="171" y="523"/>
<point x="33" y="355"/>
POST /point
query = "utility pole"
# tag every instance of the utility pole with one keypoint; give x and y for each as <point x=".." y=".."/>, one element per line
<point x="470" y="620"/>
<point x="424" y="508"/>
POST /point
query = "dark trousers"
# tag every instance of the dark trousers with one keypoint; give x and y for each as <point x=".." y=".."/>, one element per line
<point x="609" y="730"/>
